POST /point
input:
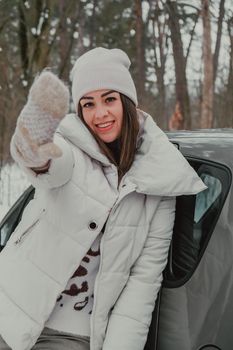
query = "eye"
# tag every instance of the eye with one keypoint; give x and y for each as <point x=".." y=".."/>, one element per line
<point x="87" y="105"/>
<point x="110" y="99"/>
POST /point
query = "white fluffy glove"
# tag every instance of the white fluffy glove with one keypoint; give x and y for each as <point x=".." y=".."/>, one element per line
<point x="48" y="103"/>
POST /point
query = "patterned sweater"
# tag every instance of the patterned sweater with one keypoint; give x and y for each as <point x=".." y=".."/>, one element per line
<point x="73" y="308"/>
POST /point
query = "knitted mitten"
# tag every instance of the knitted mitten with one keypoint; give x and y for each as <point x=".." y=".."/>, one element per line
<point x="47" y="104"/>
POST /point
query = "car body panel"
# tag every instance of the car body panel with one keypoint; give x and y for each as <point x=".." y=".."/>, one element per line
<point x="213" y="145"/>
<point x="199" y="313"/>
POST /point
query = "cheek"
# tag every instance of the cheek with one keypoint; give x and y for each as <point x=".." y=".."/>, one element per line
<point x="87" y="118"/>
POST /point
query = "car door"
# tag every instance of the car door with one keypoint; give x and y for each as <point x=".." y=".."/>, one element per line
<point x="197" y="293"/>
<point x="193" y="308"/>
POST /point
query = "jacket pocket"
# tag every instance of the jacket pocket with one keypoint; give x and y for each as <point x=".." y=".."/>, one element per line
<point x="27" y="231"/>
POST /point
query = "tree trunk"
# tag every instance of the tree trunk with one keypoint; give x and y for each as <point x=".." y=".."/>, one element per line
<point x="207" y="89"/>
<point x="159" y="43"/>
<point x="182" y="96"/>
<point x="92" y="26"/>
<point x="71" y="9"/>
<point x="23" y="40"/>
<point x="40" y="57"/>
<point x="140" y="53"/>
<point x="81" y="31"/>
<point x="217" y="119"/>
<point x="218" y="39"/>
<point x="63" y="42"/>
<point x="229" y="97"/>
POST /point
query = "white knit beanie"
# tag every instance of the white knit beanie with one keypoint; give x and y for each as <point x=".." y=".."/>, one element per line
<point x="102" y="68"/>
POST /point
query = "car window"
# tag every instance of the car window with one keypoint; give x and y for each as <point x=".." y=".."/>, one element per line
<point x="8" y="227"/>
<point x="205" y="199"/>
<point x="196" y="218"/>
<point x="13" y="217"/>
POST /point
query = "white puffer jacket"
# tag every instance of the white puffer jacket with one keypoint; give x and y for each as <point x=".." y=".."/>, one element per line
<point x="72" y="203"/>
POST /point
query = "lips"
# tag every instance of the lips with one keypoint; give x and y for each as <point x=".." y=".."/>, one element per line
<point x="102" y="127"/>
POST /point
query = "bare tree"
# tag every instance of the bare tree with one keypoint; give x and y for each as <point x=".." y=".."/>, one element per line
<point x="140" y="52"/>
<point x="218" y="39"/>
<point x="46" y="26"/>
<point x="10" y="87"/>
<point x="34" y="30"/>
<point x="229" y="93"/>
<point x="73" y="11"/>
<point x="93" y="24"/>
<point x="208" y="88"/>
<point x="159" y="43"/>
<point x="182" y="96"/>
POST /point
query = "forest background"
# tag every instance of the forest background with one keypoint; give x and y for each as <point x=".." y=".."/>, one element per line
<point x="181" y="53"/>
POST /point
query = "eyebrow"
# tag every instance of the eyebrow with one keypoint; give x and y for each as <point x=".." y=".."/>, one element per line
<point x="92" y="98"/>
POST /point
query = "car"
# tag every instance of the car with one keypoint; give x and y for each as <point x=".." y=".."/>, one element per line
<point x="194" y="309"/>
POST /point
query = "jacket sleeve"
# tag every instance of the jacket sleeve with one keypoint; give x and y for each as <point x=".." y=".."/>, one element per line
<point x="130" y="319"/>
<point x="60" y="170"/>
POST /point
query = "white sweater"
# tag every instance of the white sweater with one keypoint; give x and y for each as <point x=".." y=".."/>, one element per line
<point x="72" y="311"/>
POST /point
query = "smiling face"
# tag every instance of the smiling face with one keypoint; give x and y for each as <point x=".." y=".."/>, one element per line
<point x="103" y="112"/>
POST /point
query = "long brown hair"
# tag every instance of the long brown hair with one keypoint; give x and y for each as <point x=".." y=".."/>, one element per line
<point x="128" y="137"/>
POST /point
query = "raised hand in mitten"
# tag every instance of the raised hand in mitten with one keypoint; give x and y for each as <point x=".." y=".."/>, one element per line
<point x="48" y="103"/>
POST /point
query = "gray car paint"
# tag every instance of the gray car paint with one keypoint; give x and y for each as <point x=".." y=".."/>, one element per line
<point x="199" y="314"/>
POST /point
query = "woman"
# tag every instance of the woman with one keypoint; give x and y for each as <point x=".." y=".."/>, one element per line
<point x="86" y="261"/>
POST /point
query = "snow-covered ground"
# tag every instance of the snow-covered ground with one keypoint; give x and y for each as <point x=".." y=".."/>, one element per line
<point x="12" y="184"/>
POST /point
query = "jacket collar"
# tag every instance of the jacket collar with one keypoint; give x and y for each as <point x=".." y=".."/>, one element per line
<point x="73" y="129"/>
<point x="158" y="169"/>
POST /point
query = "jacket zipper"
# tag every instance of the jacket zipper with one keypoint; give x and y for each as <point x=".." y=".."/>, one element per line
<point x="96" y="283"/>
<point x="27" y="231"/>
<point x="101" y="262"/>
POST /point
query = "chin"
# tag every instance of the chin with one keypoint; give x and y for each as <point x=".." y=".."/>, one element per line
<point x="108" y="139"/>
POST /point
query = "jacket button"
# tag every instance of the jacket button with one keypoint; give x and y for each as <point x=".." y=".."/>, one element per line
<point x="93" y="225"/>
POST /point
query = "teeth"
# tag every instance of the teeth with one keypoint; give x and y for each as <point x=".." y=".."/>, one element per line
<point x="104" y="125"/>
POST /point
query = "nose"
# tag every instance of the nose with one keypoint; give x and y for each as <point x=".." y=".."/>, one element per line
<point x="101" y="111"/>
